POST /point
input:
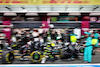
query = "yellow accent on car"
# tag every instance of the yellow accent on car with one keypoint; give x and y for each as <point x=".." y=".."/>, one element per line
<point x="38" y="53"/>
<point x="52" y="44"/>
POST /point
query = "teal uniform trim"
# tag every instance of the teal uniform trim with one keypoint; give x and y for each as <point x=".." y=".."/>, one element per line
<point x="87" y="33"/>
<point x="88" y="50"/>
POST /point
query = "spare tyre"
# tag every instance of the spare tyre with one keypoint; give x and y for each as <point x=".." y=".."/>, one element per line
<point x="36" y="56"/>
<point x="7" y="57"/>
<point x="81" y="50"/>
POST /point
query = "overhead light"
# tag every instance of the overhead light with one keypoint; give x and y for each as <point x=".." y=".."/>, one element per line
<point x="24" y="10"/>
<point x="31" y="14"/>
<point x="11" y="14"/>
<point x="74" y="13"/>
<point x="53" y="14"/>
<point x="94" y="14"/>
